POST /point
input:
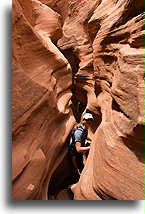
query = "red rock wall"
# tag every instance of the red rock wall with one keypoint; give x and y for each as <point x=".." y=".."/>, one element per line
<point x="89" y="52"/>
<point x="42" y="118"/>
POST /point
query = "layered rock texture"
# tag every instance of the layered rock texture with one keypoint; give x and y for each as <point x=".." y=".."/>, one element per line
<point x="70" y="57"/>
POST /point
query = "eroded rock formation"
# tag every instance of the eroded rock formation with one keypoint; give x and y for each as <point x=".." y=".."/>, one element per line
<point x="70" y="57"/>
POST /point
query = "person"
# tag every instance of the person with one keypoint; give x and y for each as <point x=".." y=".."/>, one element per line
<point x="80" y="136"/>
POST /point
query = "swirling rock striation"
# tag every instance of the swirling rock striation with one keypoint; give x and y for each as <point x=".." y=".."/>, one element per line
<point x="70" y="57"/>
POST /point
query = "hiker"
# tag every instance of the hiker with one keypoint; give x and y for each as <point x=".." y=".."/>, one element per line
<point x="77" y="146"/>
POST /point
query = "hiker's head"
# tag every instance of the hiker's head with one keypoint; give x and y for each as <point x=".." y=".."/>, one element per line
<point x="88" y="119"/>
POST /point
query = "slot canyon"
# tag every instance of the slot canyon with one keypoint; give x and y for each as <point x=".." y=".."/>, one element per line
<point x="71" y="57"/>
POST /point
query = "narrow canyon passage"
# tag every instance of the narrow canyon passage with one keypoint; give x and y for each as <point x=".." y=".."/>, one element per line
<point x="65" y="175"/>
<point x="71" y="57"/>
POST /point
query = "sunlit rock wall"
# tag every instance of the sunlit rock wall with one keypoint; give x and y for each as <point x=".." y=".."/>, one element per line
<point x="89" y="52"/>
<point x="42" y="81"/>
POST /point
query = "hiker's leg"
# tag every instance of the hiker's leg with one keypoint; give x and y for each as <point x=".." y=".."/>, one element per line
<point x="74" y="162"/>
<point x="80" y="163"/>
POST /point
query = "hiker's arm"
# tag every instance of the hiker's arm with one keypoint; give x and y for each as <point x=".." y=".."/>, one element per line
<point x="79" y="148"/>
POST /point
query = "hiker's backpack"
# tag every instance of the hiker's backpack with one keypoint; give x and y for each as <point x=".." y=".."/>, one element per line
<point x="71" y="146"/>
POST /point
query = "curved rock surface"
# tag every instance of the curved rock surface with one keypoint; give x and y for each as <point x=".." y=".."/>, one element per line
<point x="70" y="57"/>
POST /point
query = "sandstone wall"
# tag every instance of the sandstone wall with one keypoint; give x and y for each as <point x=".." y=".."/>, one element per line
<point x="70" y="57"/>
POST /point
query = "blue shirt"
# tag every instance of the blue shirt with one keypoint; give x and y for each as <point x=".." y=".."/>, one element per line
<point x="81" y="135"/>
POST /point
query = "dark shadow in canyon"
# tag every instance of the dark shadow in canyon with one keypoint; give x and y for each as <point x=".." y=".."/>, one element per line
<point x="62" y="178"/>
